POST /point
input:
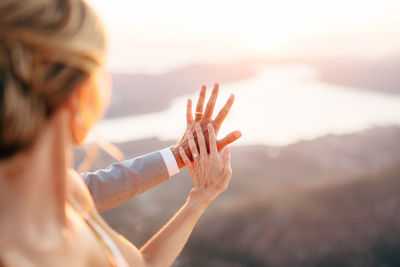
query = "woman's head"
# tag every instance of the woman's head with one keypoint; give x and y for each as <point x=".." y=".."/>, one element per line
<point x="48" y="49"/>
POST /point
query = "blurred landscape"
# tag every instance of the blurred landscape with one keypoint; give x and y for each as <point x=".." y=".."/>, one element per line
<point x="329" y="201"/>
<point x="144" y="93"/>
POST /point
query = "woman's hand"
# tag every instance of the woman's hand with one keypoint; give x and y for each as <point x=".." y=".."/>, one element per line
<point x="210" y="174"/>
<point x="204" y="120"/>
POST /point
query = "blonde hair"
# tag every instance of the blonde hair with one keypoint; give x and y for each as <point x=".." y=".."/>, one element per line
<point x="47" y="49"/>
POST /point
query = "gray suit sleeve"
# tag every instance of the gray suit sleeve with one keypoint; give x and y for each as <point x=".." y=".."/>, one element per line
<point x="122" y="181"/>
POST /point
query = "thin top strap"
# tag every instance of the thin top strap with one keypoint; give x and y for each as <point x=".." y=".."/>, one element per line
<point x="118" y="258"/>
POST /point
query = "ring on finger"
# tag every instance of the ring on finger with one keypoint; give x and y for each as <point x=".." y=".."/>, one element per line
<point x="195" y="155"/>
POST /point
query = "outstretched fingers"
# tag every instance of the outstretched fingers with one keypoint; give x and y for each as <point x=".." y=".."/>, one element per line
<point x="200" y="103"/>
<point x="212" y="140"/>
<point x="228" y="139"/>
<point x="226" y="158"/>
<point x="185" y="158"/>
<point x="192" y="145"/>
<point x="226" y="162"/>
<point x="189" y="114"/>
<point x="211" y="102"/>
<point x="201" y="140"/>
<point x="223" y="113"/>
<point x="189" y="164"/>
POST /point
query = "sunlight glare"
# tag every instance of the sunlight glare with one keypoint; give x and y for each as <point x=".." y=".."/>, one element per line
<point x="178" y="32"/>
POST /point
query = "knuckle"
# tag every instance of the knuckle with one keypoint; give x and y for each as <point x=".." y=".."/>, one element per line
<point x="222" y="187"/>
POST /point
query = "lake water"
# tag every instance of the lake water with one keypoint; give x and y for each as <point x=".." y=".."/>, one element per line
<point x="278" y="106"/>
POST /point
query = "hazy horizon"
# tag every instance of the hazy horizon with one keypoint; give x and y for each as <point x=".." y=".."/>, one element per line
<point x="156" y="36"/>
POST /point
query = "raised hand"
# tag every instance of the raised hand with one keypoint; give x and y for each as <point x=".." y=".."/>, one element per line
<point x="210" y="174"/>
<point x="204" y="120"/>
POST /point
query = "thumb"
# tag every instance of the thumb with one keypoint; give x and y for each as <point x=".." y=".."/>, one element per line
<point x="226" y="158"/>
<point x="230" y="138"/>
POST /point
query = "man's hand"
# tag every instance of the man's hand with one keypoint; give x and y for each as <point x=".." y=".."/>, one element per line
<point x="204" y="119"/>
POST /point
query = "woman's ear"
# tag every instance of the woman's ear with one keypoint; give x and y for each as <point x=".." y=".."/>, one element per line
<point x="102" y="82"/>
<point x="77" y="106"/>
<point x="86" y="105"/>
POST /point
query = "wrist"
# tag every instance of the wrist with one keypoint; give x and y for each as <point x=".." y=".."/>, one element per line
<point x="200" y="197"/>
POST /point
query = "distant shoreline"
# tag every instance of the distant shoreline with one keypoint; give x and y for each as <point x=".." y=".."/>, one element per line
<point x="135" y="94"/>
<point x="380" y="75"/>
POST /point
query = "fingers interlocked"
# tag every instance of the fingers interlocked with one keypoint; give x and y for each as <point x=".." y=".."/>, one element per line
<point x="202" y="162"/>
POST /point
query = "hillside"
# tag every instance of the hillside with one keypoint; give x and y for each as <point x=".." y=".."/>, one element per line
<point x="143" y="93"/>
<point x="354" y="224"/>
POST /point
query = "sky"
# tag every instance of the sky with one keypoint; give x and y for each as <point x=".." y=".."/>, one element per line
<point x="155" y="36"/>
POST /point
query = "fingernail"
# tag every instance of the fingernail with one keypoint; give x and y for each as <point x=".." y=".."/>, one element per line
<point x="197" y="124"/>
<point x="238" y="134"/>
<point x="228" y="149"/>
<point x="209" y="125"/>
<point x="231" y="96"/>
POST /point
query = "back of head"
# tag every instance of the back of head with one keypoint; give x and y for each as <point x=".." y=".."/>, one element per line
<point x="47" y="48"/>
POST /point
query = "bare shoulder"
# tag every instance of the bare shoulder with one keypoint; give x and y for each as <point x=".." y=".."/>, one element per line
<point x="78" y="189"/>
<point x="81" y="193"/>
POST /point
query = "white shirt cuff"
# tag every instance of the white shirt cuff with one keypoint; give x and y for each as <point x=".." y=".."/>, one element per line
<point x="170" y="161"/>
